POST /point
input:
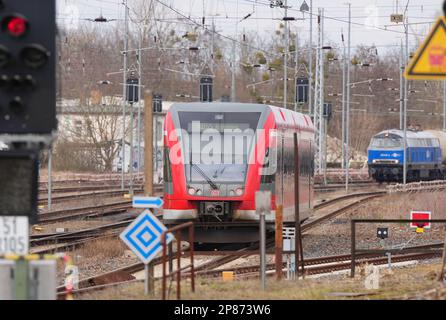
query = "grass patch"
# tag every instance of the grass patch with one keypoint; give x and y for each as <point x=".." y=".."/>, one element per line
<point x="103" y="248"/>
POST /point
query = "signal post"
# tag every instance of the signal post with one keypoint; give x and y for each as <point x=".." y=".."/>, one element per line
<point x="28" y="125"/>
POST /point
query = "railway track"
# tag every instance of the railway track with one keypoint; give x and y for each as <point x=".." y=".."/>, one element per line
<point x="104" y="192"/>
<point x="57" y="241"/>
<point x="330" y="202"/>
<point x="321" y="188"/>
<point x="324" y="265"/>
<point x="84" y="188"/>
<point x="363" y="198"/>
<point x="314" y="266"/>
<point x="85" y="212"/>
<point x="84" y="195"/>
<point x="214" y="264"/>
<point x="305" y="227"/>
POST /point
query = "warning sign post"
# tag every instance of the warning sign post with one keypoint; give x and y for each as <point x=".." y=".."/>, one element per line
<point x="420" y="215"/>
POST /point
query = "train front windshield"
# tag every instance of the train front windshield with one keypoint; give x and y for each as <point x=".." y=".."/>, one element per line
<point x="386" y="141"/>
<point x="217" y="146"/>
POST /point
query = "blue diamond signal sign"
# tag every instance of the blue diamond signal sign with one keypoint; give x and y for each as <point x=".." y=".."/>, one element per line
<point x="143" y="236"/>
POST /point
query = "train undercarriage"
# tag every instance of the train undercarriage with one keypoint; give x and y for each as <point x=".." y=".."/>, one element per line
<point x="394" y="173"/>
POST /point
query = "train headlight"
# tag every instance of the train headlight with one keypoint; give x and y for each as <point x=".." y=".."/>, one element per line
<point x="191" y="191"/>
<point x="239" y="191"/>
<point x="231" y="193"/>
<point x="199" y="192"/>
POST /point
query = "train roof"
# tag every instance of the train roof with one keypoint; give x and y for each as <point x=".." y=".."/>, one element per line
<point x="410" y="134"/>
<point x="283" y="117"/>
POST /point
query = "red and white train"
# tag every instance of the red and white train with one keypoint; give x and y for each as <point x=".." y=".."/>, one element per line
<point x="217" y="155"/>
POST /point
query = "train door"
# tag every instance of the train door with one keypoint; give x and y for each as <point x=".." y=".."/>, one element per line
<point x="305" y="176"/>
<point x="288" y="176"/>
<point x="279" y="173"/>
<point x="311" y="176"/>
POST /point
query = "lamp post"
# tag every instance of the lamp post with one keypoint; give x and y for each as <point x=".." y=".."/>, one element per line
<point x="444" y="105"/>
<point x="125" y="53"/>
<point x="233" y="58"/>
<point x="305" y="8"/>
<point x="347" y="119"/>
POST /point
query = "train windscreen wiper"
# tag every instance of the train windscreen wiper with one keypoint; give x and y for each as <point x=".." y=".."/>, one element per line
<point x="205" y="176"/>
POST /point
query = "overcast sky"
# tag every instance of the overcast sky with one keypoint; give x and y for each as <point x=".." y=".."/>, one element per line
<point x="370" y="18"/>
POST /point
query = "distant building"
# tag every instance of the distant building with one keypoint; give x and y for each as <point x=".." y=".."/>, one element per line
<point x="98" y="122"/>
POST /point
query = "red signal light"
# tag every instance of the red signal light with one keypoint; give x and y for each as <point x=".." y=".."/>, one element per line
<point x="15" y="25"/>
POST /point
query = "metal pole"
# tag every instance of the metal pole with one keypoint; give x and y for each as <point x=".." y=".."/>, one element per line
<point x="321" y="94"/>
<point x="296" y="68"/>
<point x="389" y="260"/>
<point x="444" y="105"/>
<point x="347" y="126"/>
<point x="212" y="46"/>
<point x="148" y="143"/>
<point x="279" y="241"/>
<point x="126" y="42"/>
<point x="233" y="92"/>
<point x="139" y="105"/>
<point x="353" y="248"/>
<point x="443" y="264"/>
<point x="178" y="271"/>
<point x="50" y="176"/>
<point x="191" y="250"/>
<point x="317" y="88"/>
<point x="131" y="146"/>
<point x="405" y="103"/>
<point x="285" y="60"/>
<point x="401" y="85"/>
<point x="310" y="59"/>
<point x="344" y="60"/>
<point x="325" y="149"/>
<point x="146" y="280"/>
<point x="170" y="252"/>
<point x="297" y="247"/>
<point x="163" y="265"/>
<point x="262" y="250"/>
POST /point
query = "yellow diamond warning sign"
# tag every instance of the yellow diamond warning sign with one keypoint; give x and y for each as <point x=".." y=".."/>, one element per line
<point x="429" y="62"/>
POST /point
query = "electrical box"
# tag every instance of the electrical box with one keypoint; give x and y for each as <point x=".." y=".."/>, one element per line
<point x="19" y="183"/>
<point x="206" y="85"/>
<point x="302" y="90"/>
<point x="328" y="109"/>
<point x="42" y="280"/>
<point x="396" y="18"/>
<point x="131" y="90"/>
<point x="157" y="102"/>
<point x="289" y="239"/>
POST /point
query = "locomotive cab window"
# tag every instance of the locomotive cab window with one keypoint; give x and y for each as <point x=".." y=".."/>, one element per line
<point x="386" y="141"/>
<point x="219" y="145"/>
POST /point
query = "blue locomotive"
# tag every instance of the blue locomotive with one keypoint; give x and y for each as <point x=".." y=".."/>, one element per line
<point x="425" y="159"/>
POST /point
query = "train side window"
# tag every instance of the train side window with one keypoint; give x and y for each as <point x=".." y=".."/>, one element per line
<point x="167" y="166"/>
<point x="267" y="178"/>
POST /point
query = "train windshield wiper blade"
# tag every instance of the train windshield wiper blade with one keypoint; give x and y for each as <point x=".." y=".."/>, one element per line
<point x="205" y="176"/>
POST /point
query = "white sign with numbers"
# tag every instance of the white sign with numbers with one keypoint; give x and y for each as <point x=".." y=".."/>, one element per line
<point x="14" y="235"/>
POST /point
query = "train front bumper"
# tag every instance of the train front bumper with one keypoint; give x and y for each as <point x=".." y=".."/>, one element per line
<point x="385" y="170"/>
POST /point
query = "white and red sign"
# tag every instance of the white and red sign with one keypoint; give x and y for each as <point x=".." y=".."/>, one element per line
<point x="420" y="215"/>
